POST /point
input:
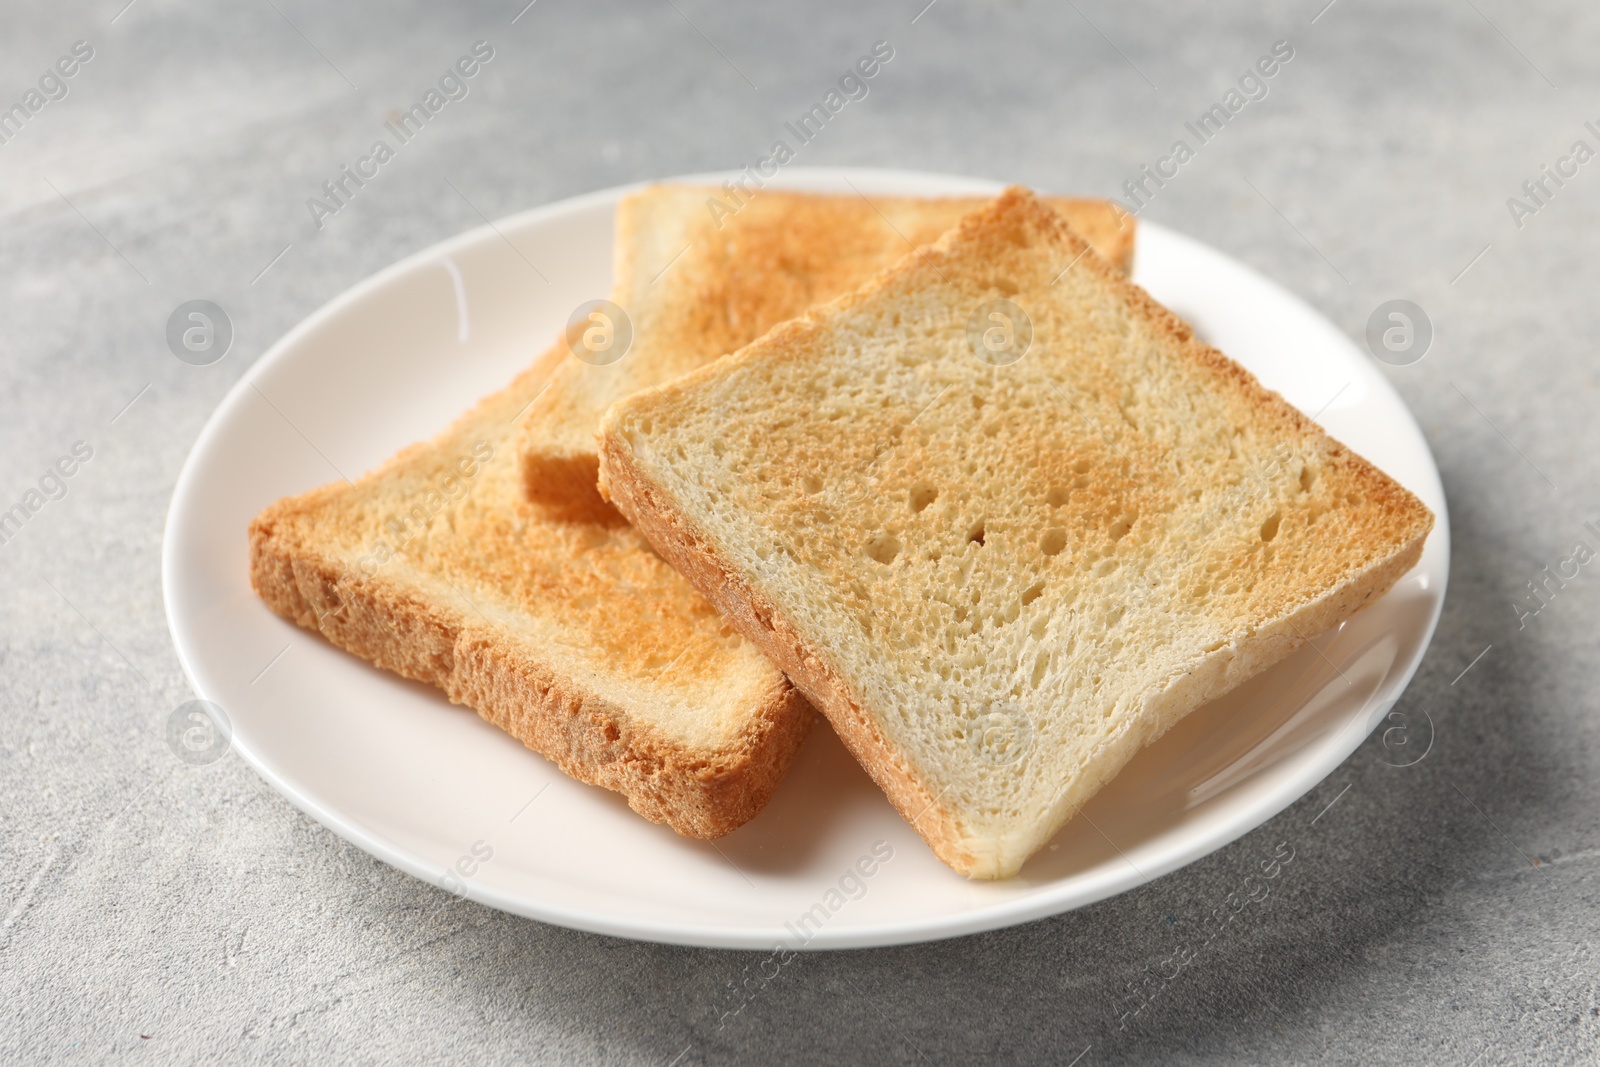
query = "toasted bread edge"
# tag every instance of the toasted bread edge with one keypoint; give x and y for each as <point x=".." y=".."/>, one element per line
<point x="700" y="793"/>
<point x="649" y="506"/>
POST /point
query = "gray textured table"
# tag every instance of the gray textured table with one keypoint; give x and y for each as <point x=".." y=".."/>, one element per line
<point x="1444" y="912"/>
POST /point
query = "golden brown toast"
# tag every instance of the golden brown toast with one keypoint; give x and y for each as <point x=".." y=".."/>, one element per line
<point x="698" y="284"/>
<point x="573" y="637"/>
<point x="1002" y="554"/>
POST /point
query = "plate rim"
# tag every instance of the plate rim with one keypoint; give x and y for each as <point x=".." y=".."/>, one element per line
<point x="1196" y="844"/>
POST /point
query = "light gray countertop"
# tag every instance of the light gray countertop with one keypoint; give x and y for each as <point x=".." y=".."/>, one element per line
<point x="1445" y="912"/>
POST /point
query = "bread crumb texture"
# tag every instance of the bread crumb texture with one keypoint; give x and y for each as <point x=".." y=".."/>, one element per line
<point x="1001" y="574"/>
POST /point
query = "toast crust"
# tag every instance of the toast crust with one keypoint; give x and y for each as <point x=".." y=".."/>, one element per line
<point x="781" y="254"/>
<point x="301" y="568"/>
<point x="1401" y="525"/>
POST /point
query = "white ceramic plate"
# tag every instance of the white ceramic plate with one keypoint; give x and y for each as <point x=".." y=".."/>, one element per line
<point x="392" y="767"/>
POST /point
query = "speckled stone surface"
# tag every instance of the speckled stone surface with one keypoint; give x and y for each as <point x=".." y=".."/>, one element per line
<point x="152" y="911"/>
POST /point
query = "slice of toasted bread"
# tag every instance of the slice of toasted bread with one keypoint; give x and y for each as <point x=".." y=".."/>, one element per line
<point x="575" y="638"/>
<point x="698" y="284"/>
<point x="999" y="580"/>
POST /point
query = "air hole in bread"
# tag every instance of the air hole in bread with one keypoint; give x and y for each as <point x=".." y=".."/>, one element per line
<point x="976" y="534"/>
<point x="1034" y="592"/>
<point x="1006" y="286"/>
<point x="811" y="483"/>
<point x="1081" y="467"/>
<point x="1269" y="529"/>
<point x="1307" y="477"/>
<point x="922" y="496"/>
<point x="1053" y="541"/>
<point x="884" y="548"/>
<point x="1057" y="496"/>
<point x="1120" y="528"/>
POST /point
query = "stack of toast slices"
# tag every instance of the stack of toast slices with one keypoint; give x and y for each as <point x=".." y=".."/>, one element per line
<point x="933" y="467"/>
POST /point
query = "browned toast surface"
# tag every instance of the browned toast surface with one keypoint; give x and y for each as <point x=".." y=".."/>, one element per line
<point x="1004" y="554"/>
<point x="698" y="284"/>
<point x="574" y="637"/>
